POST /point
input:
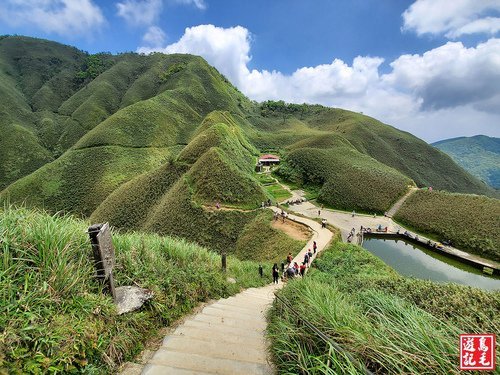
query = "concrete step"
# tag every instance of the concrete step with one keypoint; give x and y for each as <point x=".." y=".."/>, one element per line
<point x="215" y="349"/>
<point x="245" y="301"/>
<point x="223" y="328"/>
<point x="228" y="313"/>
<point x="169" y="370"/>
<point x="209" y="334"/>
<point x="243" y="308"/>
<point x="196" y="362"/>
<point x="231" y="322"/>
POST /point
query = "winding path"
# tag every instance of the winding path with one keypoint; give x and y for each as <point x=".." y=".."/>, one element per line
<point x="227" y="336"/>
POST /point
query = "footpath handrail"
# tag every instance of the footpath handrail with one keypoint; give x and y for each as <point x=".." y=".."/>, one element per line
<point x="327" y="339"/>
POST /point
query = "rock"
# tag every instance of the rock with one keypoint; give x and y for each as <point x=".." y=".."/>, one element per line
<point x="130" y="298"/>
<point x="231" y="280"/>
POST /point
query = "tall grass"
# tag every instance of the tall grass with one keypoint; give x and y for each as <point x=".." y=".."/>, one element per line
<point x="351" y="297"/>
<point x="54" y="317"/>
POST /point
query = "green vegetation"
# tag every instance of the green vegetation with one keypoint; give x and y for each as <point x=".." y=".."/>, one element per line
<point x="346" y="178"/>
<point x="389" y="323"/>
<point x="80" y="180"/>
<point x="479" y="155"/>
<point x="53" y="315"/>
<point x="470" y="221"/>
<point x="277" y="192"/>
<point x="261" y="242"/>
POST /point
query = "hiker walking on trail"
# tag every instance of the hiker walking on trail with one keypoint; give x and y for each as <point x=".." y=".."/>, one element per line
<point x="315" y="247"/>
<point x="283" y="216"/>
<point x="353" y="213"/>
<point x="276" y="273"/>
<point x="289" y="258"/>
<point x="310" y="255"/>
<point x="306" y="258"/>
<point x="302" y="269"/>
<point x="323" y="223"/>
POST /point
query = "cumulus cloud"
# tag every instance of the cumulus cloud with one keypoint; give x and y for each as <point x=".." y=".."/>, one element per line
<point x="445" y="80"/>
<point x="452" y="18"/>
<point x="64" y="17"/>
<point x="226" y="49"/>
<point x="139" y="12"/>
<point x="451" y="75"/>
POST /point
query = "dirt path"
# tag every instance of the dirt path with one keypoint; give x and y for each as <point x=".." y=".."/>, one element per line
<point x="392" y="211"/>
<point x="293" y="229"/>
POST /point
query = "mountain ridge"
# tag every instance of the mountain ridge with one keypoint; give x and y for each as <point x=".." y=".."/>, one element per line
<point x="479" y="155"/>
<point x="134" y="117"/>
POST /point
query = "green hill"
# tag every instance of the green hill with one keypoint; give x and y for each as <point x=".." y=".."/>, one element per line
<point x="102" y="135"/>
<point x="346" y="178"/>
<point x="179" y="197"/>
<point x="479" y="155"/>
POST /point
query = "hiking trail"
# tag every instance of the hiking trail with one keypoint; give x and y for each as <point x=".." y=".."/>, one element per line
<point x="228" y="335"/>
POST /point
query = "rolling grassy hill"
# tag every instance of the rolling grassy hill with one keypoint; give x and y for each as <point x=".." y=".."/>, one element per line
<point x="179" y="197"/>
<point x="480" y="155"/>
<point x="165" y="136"/>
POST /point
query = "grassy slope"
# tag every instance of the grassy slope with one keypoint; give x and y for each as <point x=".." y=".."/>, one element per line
<point x="390" y="323"/>
<point x="80" y="180"/>
<point x="480" y="155"/>
<point x="394" y="148"/>
<point x="259" y="241"/>
<point x="54" y="316"/>
<point x="348" y="179"/>
<point x="136" y="132"/>
<point x="470" y="221"/>
<point x="174" y="199"/>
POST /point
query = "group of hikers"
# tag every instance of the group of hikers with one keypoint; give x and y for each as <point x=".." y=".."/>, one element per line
<point x="283" y="215"/>
<point x="292" y="269"/>
<point x="267" y="203"/>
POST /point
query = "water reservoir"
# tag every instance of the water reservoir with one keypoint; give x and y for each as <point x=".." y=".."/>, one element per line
<point x="413" y="260"/>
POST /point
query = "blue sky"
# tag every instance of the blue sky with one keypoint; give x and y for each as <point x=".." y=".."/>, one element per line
<point x="431" y="67"/>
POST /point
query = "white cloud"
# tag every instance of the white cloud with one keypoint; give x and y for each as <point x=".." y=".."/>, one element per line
<point x="139" y="12"/>
<point x="227" y="49"/>
<point x="154" y="37"/>
<point x="452" y="17"/>
<point x="431" y="87"/>
<point x="64" y="17"/>
<point x="200" y="4"/>
<point x="451" y="75"/>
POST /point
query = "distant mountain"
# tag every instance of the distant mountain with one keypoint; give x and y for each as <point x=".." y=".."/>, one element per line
<point x="479" y="155"/>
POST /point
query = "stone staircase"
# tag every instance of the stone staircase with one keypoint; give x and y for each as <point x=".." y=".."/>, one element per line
<point x="227" y="337"/>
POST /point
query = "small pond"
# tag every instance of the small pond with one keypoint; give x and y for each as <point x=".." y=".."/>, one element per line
<point x="412" y="260"/>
